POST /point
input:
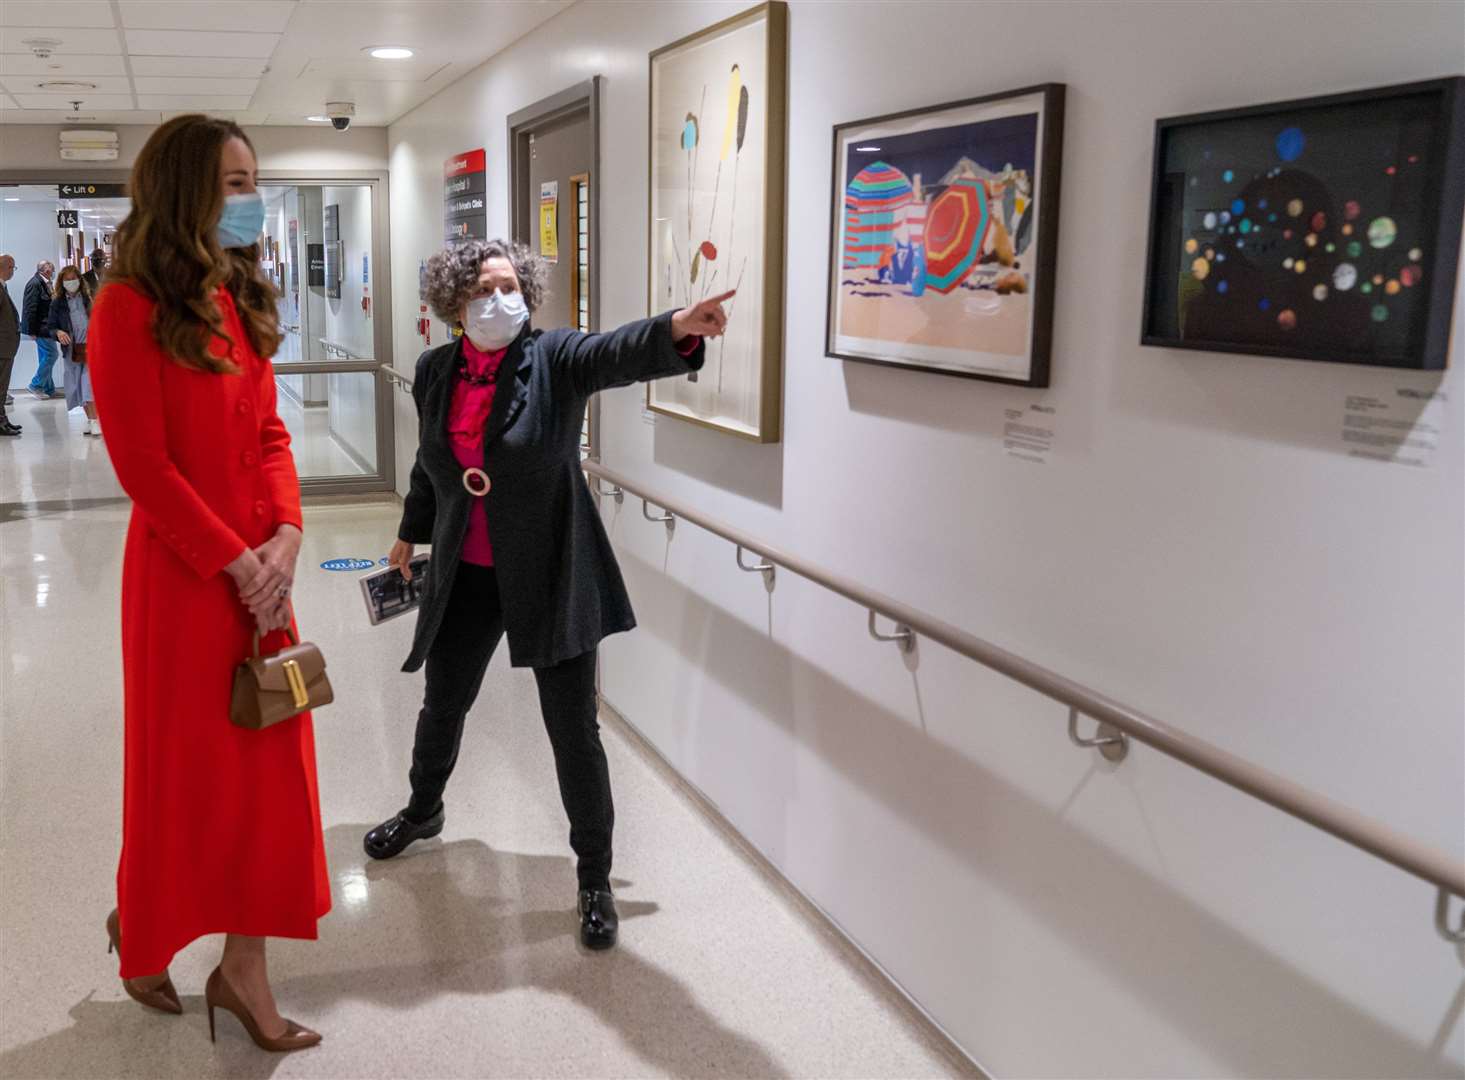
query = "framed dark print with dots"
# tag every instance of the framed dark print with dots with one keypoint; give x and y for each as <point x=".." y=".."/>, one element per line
<point x="1324" y="229"/>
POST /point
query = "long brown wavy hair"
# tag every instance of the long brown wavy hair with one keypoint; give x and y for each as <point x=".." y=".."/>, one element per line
<point x="166" y="247"/>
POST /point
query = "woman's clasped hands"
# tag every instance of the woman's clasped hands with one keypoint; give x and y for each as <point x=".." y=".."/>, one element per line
<point x="265" y="577"/>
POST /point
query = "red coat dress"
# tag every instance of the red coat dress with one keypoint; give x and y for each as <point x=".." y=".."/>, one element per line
<point x="220" y="825"/>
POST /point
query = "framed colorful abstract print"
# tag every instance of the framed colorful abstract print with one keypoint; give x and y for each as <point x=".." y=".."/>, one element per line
<point x="1323" y="229"/>
<point x="718" y="120"/>
<point x="944" y="237"/>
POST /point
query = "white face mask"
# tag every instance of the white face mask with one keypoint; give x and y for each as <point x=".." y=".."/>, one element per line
<point x="494" y="321"/>
<point x="71" y="285"/>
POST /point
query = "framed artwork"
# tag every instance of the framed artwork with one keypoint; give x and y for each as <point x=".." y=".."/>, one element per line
<point x="944" y="237"/>
<point x="718" y="120"/>
<point x="1321" y="229"/>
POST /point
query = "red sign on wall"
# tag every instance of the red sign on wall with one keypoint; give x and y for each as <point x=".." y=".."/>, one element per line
<point x="470" y="162"/>
<point x="465" y="205"/>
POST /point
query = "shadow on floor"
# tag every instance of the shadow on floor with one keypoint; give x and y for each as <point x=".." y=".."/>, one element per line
<point x="458" y="918"/>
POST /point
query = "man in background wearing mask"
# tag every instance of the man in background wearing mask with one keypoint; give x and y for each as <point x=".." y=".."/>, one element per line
<point x="34" y="309"/>
<point x="9" y="340"/>
<point x="93" y="277"/>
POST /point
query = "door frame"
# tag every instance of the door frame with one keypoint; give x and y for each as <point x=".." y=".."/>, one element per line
<point x="377" y="180"/>
<point x="523" y="223"/>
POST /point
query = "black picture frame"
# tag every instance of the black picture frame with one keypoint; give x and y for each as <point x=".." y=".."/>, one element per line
<point x="1046" y="195"/>
<point x="1442" y="214"/>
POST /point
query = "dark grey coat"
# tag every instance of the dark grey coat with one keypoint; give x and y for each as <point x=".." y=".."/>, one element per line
<point x="561" y="588"/>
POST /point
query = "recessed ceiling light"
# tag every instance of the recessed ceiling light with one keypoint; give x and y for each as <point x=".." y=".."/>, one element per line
<point x="12" y="198"/>
<point x="319" y="119"/>
<point x="388" y="52"/>
<point x="867" y="149"/>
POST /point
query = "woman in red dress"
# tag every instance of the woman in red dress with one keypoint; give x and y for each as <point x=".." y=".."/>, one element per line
<point x="220" y="825"/>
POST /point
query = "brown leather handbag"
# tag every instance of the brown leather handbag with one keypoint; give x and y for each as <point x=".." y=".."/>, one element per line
<point x="268" y="689"/>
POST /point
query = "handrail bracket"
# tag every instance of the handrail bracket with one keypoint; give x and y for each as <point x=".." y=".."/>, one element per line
<point x="767" y="569"/>
<point x="665" y="516"/>
<point x="1108" y="740"/>
<point x="904" y="635"/>
<point x="615" y="492"/>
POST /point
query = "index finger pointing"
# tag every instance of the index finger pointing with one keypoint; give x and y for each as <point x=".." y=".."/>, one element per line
<point x="719" y="299"/>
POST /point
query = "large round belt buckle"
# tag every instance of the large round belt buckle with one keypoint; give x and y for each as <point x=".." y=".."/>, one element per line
<point x="476" y="481"/>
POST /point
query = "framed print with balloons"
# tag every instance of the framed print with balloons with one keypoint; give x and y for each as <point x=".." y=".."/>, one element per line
<point x="718" y="119"/>
<point x="944" y="236"/>
<point x="1322" y="229"/>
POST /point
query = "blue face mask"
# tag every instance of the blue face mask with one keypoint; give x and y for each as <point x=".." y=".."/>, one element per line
<point x="242" y="221"/>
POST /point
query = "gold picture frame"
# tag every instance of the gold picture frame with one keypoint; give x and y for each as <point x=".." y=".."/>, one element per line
<point x="698" y="154"/>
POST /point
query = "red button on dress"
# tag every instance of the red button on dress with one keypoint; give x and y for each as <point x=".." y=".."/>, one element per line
<point x="249" y="457"/>
<point x="259" y="508"/>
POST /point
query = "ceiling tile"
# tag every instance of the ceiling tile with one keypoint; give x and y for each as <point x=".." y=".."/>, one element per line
<point x="199" y="43"/>
<point x="73" y="40"/>
<point x="62" y="66"/>
<point x="208" y="66"/>
<point x="153" y="85"/>
<point x="81" y="13"/>
<point x="193" y="102"/>
<point x="99" y="116"/>
<point x="88" y="101"/>
<point x="30" y="84"/>
<point x="270" y="16"/>
<point x="363" y="68"/>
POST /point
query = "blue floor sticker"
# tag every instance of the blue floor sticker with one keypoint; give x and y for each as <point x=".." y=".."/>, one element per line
<point x="347" y="564"/>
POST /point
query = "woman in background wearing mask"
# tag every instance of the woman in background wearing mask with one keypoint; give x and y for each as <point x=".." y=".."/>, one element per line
<point x="220" y="825"/>
<point x="71" y="310"/>
<point x="518" y="547"/>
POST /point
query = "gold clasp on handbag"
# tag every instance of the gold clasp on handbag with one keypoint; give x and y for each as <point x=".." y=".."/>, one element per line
<point x="297" y="683"/>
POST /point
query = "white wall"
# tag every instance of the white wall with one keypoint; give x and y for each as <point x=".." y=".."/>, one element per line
<point x="280" y="149"/>
<point x="1199" y="544"/>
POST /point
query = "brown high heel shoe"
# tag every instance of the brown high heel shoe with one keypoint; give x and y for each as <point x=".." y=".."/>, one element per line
<point x="163" y="998"/>
<point x="219" y="994"/>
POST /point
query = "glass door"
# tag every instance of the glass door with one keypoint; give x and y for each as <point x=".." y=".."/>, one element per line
<point x="320" y="248"/>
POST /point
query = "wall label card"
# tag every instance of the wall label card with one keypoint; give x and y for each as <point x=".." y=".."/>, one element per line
<point x="1402" y="427"/>
<point x="1028" y="433"/>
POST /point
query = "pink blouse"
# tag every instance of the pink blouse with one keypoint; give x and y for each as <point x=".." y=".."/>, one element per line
<point x="467" y="417"/>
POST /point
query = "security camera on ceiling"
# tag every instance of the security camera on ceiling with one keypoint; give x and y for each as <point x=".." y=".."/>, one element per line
<point x="340" y="113"/>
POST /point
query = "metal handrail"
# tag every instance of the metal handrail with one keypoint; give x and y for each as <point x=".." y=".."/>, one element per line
<point x="405" y="382"/>
<point x="1329" y="815"/>
<point x="339" y="352"/>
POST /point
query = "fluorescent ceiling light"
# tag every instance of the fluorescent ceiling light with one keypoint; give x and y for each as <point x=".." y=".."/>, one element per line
<point x="389" y="52"/>
<point x="319" y="119"/>
<point x="15" y="198"/>
<point x="867" y="149"/>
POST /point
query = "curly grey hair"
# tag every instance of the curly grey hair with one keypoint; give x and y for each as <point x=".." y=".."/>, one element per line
<point x="452" y="275"/>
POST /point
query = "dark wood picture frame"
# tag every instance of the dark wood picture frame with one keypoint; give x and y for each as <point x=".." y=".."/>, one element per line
<point x="770" y="411"/>
<point x="1444" y="212"/>
<point x="1047" y="196"/>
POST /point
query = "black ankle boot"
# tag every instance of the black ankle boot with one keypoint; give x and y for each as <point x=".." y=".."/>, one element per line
<point x="392" y="836"/>
<point x="599" y="923"/>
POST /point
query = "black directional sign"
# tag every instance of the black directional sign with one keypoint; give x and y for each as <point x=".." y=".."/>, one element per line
<point x="91" y="191"/>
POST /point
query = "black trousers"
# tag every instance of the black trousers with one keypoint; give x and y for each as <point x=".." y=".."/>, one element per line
<point x="471" y="630"/>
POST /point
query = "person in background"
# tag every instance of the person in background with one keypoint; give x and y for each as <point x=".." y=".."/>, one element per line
<point x="518" y="547"/>
<point x="221" y="830"/>
<point x="71" y="312"/>
<point x="9" y="341"/>
<point x="93" y="277"/>
<point x="34" y="313"/>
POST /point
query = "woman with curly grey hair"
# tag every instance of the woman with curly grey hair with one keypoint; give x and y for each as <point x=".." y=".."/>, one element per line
<point x="518" y="547"/>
